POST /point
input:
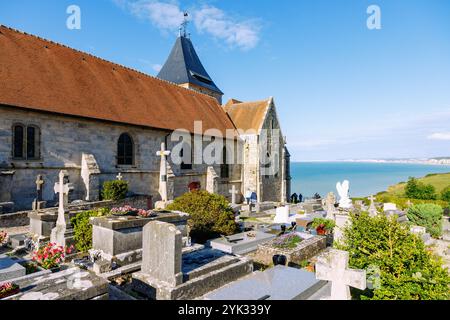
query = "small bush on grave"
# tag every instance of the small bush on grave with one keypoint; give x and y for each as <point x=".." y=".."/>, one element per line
<point x="428" y="216"/>
<point x="417" y="190"/>
<point x="407" y="270"/>
<point x="323" y="226"/>
<point x="114" y="190"/>
<point x="210" y="215"/>
<point x="445" y="194"/>
<point x="83" y="229"/>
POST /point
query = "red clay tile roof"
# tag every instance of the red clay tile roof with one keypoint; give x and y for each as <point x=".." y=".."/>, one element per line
<point x="41" y="75"/>
<point x="248" y="115"/>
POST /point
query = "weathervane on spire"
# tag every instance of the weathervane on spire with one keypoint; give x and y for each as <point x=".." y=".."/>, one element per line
<point x="183" y="27"/>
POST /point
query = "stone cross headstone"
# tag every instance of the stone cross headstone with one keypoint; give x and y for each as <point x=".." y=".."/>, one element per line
<point x="62" y="188"/>
<point x="333" y="266"/>
<point x="342" y="189"/>
<point x="39" y="187"/>
<point x="233" y="192"/>
<point x="330" y="201"/>
<point x="38" y="203"/>
<point x="119" y="177"/>
<point x="162" y="252"/>
<point x="372" y="209"/>
<point x="163" y="172"/>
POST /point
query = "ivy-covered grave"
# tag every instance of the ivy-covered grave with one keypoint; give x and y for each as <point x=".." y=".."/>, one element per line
<point x="293" y="247"/>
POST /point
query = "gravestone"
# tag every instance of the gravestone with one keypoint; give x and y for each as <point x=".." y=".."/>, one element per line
<point x="63" y="187"/>
<point x="163" y="154"/>
<point x="389" y="207"/>
<point x="39" y="203"/>
<point x="168" y="274"/>
<point x="17" y="240"/>
<point x="282" y="215"/>
<point x="333" y="266"/>
<point x="330" y="201"/>
<point x="233" y="192"/>
<point x="373" y="212"/>
<point x="342" y="220"/>
<point x="162" y="247"/>
<point x="119" y="177"/>
<point x="241" y="243"/>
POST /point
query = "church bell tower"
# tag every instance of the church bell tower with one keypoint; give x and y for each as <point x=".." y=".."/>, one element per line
<point x="184" y="67"/>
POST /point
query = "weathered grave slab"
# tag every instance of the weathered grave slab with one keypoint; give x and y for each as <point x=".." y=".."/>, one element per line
<point x="70" y="284"/>
<point x="168" y="274"/>
<point x="241" y="243"/>
<point x="10" y="269"/>
<point x="120" y="238"/>
<point x="278" y="283"/>
<point x="307" y="248"/>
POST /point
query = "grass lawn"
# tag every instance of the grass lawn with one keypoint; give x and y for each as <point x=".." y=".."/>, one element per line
<point x="439" y="181"/>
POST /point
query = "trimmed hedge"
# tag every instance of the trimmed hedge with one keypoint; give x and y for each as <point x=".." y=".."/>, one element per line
<point x="83" y="229"/>
<point x="114" y="190"/>
<point x="210" y="215"/>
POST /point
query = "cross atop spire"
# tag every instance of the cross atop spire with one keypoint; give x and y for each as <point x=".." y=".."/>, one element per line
<point x="183" y="26"/>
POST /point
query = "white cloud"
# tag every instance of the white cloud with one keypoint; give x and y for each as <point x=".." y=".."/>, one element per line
<point x="165" y="16"/>
<point x="168" y="16"/>
<point x="440" y="136"/>
<point x="215" y="22"/>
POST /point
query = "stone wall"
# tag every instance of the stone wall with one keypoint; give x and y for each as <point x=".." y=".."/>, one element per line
<point x="63" y="140"/>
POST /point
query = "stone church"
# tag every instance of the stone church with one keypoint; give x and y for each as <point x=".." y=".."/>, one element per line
<point x="65" y="109"/>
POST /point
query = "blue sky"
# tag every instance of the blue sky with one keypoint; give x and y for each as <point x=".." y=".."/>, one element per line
<point x="342" y="91"/>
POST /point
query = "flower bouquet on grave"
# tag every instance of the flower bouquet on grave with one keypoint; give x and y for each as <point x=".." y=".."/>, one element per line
<point x="125" y="211"/>
<point x="146" y="213"/>
<point x="51" y="256"/>
<point x="3" y="238"/>
<point x="8" y="289"/>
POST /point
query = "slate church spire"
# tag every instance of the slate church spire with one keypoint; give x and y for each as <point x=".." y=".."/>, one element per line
<point x="184" y="67"/>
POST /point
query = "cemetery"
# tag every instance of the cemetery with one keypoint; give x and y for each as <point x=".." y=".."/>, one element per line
<point x="126" y="250"/>
<point x="118" y="185"/>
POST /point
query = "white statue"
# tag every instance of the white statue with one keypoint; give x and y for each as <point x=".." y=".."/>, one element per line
<point x="342" y="189"/>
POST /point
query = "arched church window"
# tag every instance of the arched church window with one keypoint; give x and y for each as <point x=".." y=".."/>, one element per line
<point x="26" y="142"/>
<point x="125" y="150"/>
<point x="224" y="167"/>
<point x="186" y="164"/>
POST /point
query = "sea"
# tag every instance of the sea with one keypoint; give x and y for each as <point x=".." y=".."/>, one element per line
<point x="366" y="178"/>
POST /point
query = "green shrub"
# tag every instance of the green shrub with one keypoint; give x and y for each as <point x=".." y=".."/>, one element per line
<point x="428" y="216"/>
<point x="445" y="194"/>
<point x="114" y="190"/>
<point x="211" y="215"/>
<point x="407" y="271"/>
<point x="83" y="229"/>
<point x="417" y="190"/>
